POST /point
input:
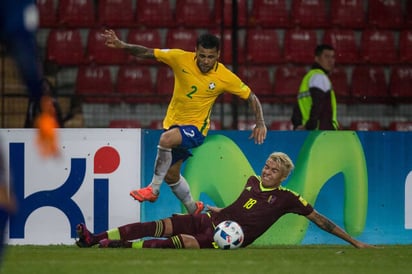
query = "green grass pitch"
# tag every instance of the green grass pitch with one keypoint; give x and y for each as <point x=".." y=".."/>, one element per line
<point x="306" y="259"/>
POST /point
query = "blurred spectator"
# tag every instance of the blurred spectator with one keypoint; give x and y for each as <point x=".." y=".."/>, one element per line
<point x="316" y="106"/>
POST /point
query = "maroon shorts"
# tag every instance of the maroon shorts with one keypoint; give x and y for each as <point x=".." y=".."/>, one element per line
<point x="199" y="226"/>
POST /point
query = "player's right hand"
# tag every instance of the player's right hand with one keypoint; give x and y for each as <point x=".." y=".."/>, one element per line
<point x="112" y="41"/>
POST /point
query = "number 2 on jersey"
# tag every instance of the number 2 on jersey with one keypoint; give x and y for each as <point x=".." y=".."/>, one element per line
<point x="194" y="89"/>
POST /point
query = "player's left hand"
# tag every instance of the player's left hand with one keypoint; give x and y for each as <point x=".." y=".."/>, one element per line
<point x="259" y="134"/>
<point x="46" y="125"/>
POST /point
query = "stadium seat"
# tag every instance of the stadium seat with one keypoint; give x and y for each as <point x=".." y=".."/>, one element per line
<point x="97" y="52"/>
<point x="365" y="125"/>
<point x="281" y="125"/>
<point x="401" y="83"/>
<point x="156" y="124"/>
<point x="262" y="46"/>
<point x="226" y="47"/>
<point x="215" y="125"/>
<point x="345" y="44"/>
<point x="385" y="14"/>
<point x="243" y="124"/>
<point x="270" y="14"/>
<point x="94" y="85"/>
<point x="116" y="13"/>
<point x="147" y="37"/>
<point x="299" y="45"/>
<point x="65" y="47"/>
<point x="47" y="13"/>
<point x="369" y="84"/>
<point x="181" y="38"/>
<point x="76" y="13"/>
<point x="164" y="83"/>
<point x="405" y="46"/>
<point x="258" y="78"/>
<point x="348" y="14"/>
<point x="194" y="14"/>
<point x="408" y="14"/>
<point x="400" y="126"/>
<point x="287" y="82"/>
<point x="340" y="84"/>
<point x="378" y="47"/>
<point x="159" y="13"/>
<point x="309" y="14"/>
<point x="134" y="84"/>
<point x="226" y="5"/>
<point x="125" y="124"/>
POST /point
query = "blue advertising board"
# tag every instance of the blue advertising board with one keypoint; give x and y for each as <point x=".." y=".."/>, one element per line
<point x="357" y="179"/>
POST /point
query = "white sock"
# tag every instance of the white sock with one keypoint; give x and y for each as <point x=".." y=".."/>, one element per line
<point x="162" y="164"/>
<point x="182" y="191"/>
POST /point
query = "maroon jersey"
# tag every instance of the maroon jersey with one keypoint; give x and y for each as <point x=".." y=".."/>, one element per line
<point x="258" y="208"/>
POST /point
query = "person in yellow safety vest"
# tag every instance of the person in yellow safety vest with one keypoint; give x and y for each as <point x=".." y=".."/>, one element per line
<point x="316" y="105"/>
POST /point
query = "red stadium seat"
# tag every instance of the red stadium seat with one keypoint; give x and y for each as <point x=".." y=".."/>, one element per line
<point x="348" y="14"/>
<point x="262" y="46"/>
<point x="181" y="38"/>
<point x="340" y="84"/>
<point x="94" y="85"/>
<point x="146" y="37"/>
<point x="400" y="126"/>
<point x="344" y="42"/>
<point x="64" y="47"/>
<point x="125" y="124"/>
<point x="287" y="82"/>
<point x="226" y="5"/>
<point x="408" y="14"/>
<point x="309" y="14"/>
<point x="243" y="124"/>
<point x="369" y="84"/>
<point x="115" y="13"/>
<point x="97" y="52"/>
<point x="299" y="45"/>
<point x="47" y="13"/>
<point x="226" y="47"/>
<point x="156" y="124"/>
<point x="281" y="125"/>
<point x="194" y="13"/>
<point x="76" y="13"/>
<point x="159" y="13"/>
<point x="258" y="78"/>
<point x="365" y="125"/>
<point x="215" y="125"/>
<point x="401" y="83"/>
<point x="378" y="47"/>
<point x="164" y="83"/>
<point x="405" y="46"/>
<point x="135" y="85"/>
<point x="385" y="14"/>
<point x="270" y="14"/>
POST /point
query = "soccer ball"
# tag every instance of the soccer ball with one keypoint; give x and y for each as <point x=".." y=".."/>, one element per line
<point x="228" y="235"/>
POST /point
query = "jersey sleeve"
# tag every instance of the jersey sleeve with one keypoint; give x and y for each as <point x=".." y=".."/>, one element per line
<point x="234" y="85"/>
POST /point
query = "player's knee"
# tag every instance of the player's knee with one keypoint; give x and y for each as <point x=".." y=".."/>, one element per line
<point x="172" y="178"/>
<point x="189" y="241"/>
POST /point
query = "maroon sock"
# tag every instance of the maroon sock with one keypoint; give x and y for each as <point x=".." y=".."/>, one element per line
<point x="172" y="242"/>
<point x="139" y="230"/>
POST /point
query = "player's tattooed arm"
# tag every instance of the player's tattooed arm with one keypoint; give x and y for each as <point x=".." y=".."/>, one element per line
<point x="260" y="130"/>
<point x="327" y="225"/>
<point x="321" y="221"/>
<point x="139" y="51"/>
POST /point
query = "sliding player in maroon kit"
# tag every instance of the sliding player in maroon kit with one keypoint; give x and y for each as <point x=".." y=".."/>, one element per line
<point x="261" y="203"/>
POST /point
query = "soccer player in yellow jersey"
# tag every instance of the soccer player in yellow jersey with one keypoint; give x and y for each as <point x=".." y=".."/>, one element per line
<point x="199" y="79"/>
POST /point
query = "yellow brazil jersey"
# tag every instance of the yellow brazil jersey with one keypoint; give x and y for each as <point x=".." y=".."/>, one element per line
<point x="195" y="92"/>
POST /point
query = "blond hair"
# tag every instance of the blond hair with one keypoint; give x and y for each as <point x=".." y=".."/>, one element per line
<point x="284" y="161"/>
